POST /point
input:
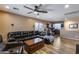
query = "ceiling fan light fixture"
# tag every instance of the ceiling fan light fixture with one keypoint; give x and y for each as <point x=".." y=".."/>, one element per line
<point x="35" y="12"/>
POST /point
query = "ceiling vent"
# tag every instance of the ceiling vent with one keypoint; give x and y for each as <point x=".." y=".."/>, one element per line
<point x="74" y="12"/>
<point x="15" y="8"/>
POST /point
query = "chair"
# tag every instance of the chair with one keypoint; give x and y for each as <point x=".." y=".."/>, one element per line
<point x="0" y="38"/>
<point x="48" y="39"/>
<point x="77" y="48"/>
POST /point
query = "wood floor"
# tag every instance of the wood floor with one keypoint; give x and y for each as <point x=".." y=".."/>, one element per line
<point x="60" y="46"/>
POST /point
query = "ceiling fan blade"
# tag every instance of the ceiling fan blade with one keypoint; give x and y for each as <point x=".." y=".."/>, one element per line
<point x="39" y="5"/>
<point x="43" y="11"/>
<point x="29" y="12"/>
<point x="28" y="8"/>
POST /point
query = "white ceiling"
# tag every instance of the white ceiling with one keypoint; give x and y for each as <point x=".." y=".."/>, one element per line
<point x="55" y="11"/>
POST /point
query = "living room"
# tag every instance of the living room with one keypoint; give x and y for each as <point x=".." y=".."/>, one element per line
<point x="39" y="28"/>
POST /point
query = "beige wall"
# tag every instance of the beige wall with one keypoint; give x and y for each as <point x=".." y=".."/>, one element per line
<point x="71" y="21"/>
<point x="70" y="33"/>
<point x="21" y="23"/>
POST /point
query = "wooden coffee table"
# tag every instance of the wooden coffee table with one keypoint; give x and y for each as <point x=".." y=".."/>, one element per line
<point x="33" y="45"/>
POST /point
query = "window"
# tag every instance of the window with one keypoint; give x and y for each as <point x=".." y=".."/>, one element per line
<point x="57" y="26"/>
<point x="39" y="27"/>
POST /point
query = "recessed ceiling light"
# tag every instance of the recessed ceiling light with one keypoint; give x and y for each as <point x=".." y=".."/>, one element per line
<point x="67" y="6"/>
<point x="7" y="7"/>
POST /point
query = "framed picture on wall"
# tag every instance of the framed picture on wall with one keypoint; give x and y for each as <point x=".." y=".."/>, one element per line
<point x="73" y="26"/>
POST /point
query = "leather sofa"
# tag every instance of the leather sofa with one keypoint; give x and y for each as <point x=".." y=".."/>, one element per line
<point x="0" y="38"/>
<point x="16" y="38"/>
<point x="22" y="35"/>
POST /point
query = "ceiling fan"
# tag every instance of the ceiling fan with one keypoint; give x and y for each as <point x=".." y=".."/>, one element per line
<point x="36" y="9"/>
